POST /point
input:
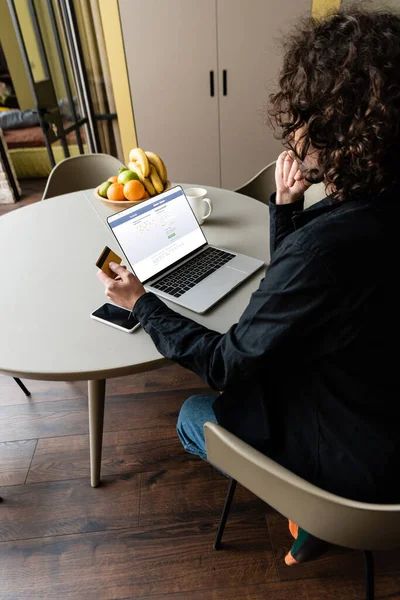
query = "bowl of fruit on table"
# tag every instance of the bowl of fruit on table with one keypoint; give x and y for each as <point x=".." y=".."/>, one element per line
<point x="144" y="177"/>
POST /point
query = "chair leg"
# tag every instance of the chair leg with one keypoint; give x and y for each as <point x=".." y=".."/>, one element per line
<point x="22" y="386"/>
<point x="369" y="575"/>
<point x="225" y="512"/>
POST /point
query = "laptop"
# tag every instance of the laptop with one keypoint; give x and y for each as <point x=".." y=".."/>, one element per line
<point x="168" y="251"/>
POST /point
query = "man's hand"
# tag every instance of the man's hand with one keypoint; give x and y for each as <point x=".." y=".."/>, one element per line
<point x="125" y="289"/>
<point x="290" y="183"/>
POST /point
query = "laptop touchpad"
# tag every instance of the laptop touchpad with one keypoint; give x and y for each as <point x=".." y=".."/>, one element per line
<point x="223" y="279"/>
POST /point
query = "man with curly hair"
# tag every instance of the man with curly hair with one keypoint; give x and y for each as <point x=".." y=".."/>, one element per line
<point x="308" y="375"/>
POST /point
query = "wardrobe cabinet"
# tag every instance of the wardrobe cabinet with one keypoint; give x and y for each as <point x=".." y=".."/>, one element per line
<point x="200" y="75"/>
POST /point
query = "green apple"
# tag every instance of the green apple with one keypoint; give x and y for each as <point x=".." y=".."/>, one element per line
<point x="102" y="190"/>
<point x="122" y="169"/>
<point x="126" y="176"/>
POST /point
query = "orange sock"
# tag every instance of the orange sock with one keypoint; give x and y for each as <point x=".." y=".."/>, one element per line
<point x="294" y="529"/>
<point x="289" y="560"/>
<point x="305" y="547"/>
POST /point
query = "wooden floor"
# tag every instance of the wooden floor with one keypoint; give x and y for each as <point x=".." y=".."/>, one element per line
<point x="32" y="191"/>
<point x="147" y="531"/>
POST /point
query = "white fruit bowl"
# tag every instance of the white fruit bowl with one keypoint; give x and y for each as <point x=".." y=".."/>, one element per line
<point x="121" y="204"/>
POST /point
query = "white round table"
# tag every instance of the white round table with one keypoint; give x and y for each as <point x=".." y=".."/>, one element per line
<point x="49" y="288"/>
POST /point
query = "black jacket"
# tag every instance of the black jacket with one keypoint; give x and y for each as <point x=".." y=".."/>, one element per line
<point x="309" y="374"/>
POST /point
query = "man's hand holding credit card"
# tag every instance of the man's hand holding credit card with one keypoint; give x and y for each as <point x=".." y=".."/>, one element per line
<point x="104" y="260"/>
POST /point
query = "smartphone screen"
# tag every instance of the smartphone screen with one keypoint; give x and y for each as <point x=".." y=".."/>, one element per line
<point x="117" y="315"/>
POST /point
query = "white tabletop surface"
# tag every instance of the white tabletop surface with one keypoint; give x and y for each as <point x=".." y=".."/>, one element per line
<point x="49" y="285"/>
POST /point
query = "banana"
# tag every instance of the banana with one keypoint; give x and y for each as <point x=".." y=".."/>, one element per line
<point x="156" y="160"/>
<point x="155" y="180"/>
<point x="134" y="166"/>
<point x="138" y="155"/>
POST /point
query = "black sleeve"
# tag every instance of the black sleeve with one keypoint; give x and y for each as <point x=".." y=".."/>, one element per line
<point x="280" y="219"/>
<point x="289" y="303"/>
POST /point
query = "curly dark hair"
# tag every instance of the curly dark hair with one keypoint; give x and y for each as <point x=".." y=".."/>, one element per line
<point x="340" y="86"/>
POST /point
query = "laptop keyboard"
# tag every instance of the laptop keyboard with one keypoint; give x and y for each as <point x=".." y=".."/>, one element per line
<point x="193" y="271"/>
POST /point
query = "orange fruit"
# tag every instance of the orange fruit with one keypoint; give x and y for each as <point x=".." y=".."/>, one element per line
<point x="113" y="179"/>
<point x="145" y="195"/>
<point x="134" y="190"/>
<point x="116" y="192"/>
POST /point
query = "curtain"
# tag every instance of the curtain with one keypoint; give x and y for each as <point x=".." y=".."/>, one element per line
<point x="98" y="74"/>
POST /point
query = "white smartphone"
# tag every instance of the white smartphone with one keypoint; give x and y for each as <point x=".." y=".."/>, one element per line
<point x="116" y="316"/>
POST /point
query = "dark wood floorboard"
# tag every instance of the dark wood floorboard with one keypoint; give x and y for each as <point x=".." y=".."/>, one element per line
<point x="15" y="458"/>
<point x="135" y="562"/>
<point x="68" y="417"/>
<point x="132" y="451"/>
<point x="66" y="507"/>
<point x="337" y="589"/>
<point x="167" y="378"/>
<point x="147" y="531"/>
<point x="46" y="419"/>
<point x="41" y="391"/>
<point x="193" y="492"/>
<point x="263" y="591"/>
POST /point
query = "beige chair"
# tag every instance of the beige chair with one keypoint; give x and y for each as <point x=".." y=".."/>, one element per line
<point x="336" y="520"/>
<point x="262" y="185"/>
<point x="315" y="193"/>
<point x="80" y="173"/>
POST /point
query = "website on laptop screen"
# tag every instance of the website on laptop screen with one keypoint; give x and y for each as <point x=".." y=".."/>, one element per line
<point x="157" y="233"/>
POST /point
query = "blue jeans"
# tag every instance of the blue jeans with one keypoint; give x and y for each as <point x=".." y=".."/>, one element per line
<point x="195" y="411"/>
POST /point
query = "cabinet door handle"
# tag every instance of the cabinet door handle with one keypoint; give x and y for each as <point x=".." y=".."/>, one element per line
<point x="211" y="83"/>
<point x="225" y="82"/>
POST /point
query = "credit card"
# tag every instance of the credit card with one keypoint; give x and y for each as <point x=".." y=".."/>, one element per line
<point x="104" y="260"/>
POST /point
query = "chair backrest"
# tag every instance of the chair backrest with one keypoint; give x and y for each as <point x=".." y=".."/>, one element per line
<point x="79" y="173"/>
<point x="262" y="185"/>
<point x="337" y="520"/>
<point x="315" y="193"/>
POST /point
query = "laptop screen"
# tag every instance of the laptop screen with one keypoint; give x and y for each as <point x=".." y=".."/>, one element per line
<point x="157" y="233"/>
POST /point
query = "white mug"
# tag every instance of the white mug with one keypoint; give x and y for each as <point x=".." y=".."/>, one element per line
<point x="198" y="201"/>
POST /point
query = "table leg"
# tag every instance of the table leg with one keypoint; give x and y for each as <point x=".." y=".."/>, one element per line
<point x="96" y="395"/>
